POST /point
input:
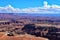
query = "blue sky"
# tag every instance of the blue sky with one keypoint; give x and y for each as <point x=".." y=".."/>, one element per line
<point x="27" y="3"/>
<point x="30" y="6"/>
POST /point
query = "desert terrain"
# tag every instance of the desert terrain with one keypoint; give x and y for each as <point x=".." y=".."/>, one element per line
<point x="29" y="27"/>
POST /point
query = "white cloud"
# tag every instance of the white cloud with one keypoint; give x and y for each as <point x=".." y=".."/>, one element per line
<point x="44" y="9"/>
<point x="9" y="9"/>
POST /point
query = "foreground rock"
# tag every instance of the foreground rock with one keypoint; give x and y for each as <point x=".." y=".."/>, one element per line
<point x="21" y="37"/>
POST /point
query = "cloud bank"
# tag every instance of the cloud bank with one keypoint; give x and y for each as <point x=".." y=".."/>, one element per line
<point x="44" y="9"/>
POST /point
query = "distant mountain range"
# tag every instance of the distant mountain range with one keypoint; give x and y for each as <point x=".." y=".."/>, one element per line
<point x="19" y="15"/>
<point x="31" y="14"/>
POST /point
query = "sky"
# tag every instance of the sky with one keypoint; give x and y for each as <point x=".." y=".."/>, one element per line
<point x="29" y="6"/>
<point x="27" y="3"/>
